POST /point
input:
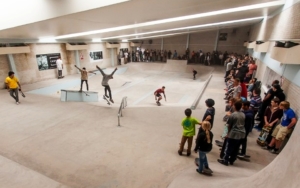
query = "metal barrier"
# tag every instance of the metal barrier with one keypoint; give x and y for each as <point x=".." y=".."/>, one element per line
<point x="122" y="106"/>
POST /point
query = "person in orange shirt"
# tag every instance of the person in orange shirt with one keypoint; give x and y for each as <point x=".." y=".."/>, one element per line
<point x="252" y="67"/>
<point x="13" y="85"/>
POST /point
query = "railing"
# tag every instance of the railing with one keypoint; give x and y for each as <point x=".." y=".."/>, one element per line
<point x="122" y="106"/>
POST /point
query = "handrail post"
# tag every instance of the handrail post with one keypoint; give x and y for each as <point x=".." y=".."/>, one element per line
<point x="122" y="106"/>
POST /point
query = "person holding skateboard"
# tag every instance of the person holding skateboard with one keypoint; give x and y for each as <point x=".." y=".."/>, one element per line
<point x="158" y="96"/>
<point x="105" y="80"/>
<point x="84" y="77"/>
<point x="13" y="85"/>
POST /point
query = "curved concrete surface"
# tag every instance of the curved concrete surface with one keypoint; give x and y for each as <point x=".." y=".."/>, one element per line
<point x="48" y="143"/>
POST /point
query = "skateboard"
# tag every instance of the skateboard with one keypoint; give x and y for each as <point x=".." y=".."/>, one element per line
<point x="261" y="140"/>
<point x="197" y="164"/>
<point x="23" y="95"/>
<point x="219" y="143"/>
<point x="106" y="100"/>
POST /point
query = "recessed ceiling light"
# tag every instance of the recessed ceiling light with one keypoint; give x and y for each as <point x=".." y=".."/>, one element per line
<point x="96" y="40"/>
<point x="47" y="39"/>
<point x="124" y="40"/>
<point x="213" y="13"/>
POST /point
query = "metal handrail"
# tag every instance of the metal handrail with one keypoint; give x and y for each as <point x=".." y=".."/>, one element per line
<point x="122" y="106"/>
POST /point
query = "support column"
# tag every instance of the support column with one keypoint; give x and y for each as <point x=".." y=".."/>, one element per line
<point x="113" y="56"/>
<point x="217" y="41"/>
<point x="187" y="41"/>
<point x="12" y="64"/>
<point x="77" y="60"/>
<point x="162" y="44"/>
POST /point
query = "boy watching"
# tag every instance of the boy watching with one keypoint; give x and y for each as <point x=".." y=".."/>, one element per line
<point x="189" y="130"/>
<point x="210" y="112"/>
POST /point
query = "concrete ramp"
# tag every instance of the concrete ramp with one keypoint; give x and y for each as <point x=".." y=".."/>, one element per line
<point x="76" y="96"/>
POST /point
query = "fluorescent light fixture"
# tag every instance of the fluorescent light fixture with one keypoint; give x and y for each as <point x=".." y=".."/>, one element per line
<point x="48" y="39"/>
<point x="124" y="40"/>
<point x="159" y="35"/>
<point x="96" y="40"/>
<point x="183" y="28"/>
<point x="182" y="18"/>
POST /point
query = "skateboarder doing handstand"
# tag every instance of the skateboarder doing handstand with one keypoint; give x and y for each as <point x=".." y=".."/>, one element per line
<point x="158" y="96"/>
<point x="84" y="77"/>
<point x="105" y="80"/>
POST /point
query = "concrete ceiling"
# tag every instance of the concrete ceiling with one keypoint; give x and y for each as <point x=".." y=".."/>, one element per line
<point x="135" y="12"/>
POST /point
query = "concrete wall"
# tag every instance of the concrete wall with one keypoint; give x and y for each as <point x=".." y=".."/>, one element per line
<point x="27" y="67"/>
<point x="283" y="25"/>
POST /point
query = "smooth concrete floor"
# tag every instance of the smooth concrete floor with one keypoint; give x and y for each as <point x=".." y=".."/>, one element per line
<point x="48" y="143"/>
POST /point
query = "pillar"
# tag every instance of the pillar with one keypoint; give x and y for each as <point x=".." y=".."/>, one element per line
<point x="113" y="56"/>
<point x="77" y="60"/>
<point x="162" y="44"/>
<point x="187" y="41"/>
<point x="217" y="41"/>
<point x="12" y="64"/>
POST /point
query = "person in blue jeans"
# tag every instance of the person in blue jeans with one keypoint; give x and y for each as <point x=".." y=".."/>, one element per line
<point x="204" y="146"/>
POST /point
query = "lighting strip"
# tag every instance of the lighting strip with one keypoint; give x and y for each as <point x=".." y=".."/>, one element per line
<point x="183" y="28"/>
<point x="213" y="13"/>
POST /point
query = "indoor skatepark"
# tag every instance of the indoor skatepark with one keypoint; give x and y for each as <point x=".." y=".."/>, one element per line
<point x="55" y="140"/>
<point x="80" y="145"/>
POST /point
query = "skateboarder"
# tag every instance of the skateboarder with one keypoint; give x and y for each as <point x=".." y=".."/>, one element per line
<point x="12" y="85"/>
<point x="158" y="96"/>
<point x="105" y="80"/>
<point x="84" y="77"/>
<point x="194" y="74"/>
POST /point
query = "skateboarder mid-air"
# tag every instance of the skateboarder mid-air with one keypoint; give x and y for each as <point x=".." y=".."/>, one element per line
<point x="158" y="96"/>
<point x="105" y="80"/>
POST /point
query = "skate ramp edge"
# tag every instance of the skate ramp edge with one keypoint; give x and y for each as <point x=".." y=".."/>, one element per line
<point x="283" y="171"/>
<point x="76" y="96"/>
<point x="196" y="102"/>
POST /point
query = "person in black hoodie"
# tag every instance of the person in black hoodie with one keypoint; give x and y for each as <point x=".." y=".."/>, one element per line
<point x="204" y="146"/>
<point x="248" y="125"/>
<point x="278" y="92"/>
<point x="242" y="71"/>
<point x="210" y="112"/>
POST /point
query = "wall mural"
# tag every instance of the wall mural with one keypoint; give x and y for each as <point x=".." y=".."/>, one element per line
<point x="47" y="61"/>
<point x="96" y="56"/>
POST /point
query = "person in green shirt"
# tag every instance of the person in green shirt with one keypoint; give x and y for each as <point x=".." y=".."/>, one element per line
<point x="189" y="130"/>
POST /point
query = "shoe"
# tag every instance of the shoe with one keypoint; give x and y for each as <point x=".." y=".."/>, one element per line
<point x="267" y="148"/>
<point x="180" y="153"/>
<point x="231" y="163"/>
<point x="80" y="91"/>
<point x="274" y="151"/>
<point x="241" y="156"/>
<point x="208" y="170"/>
<point x="223" y="162"/>
<point x="188" y="154"/>
<point x="225" y="98"/>
<point x="111" y="100"/>
<point x="17" y="103"/>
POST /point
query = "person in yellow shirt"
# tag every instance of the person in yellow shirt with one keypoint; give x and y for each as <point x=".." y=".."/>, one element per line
<point x="189" y="130"/>
<point x="12" y="85"/>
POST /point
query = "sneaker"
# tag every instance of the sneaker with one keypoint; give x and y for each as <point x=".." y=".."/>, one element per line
<point x="188" y="154"/>
<point x="266" y="147"/>
<point x="80" y="91"/>
<point x="111" y="100"/>
<point x="208" y="170"/>
<point x="17" y="103"/>
<point x="274" y="151"/>
<point x="241" y="156"/>
<point x="223" y="162"/>
<point x="180" y="153"/>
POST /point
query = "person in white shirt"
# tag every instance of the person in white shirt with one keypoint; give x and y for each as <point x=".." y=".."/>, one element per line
<point x="60" y="67"/>
<point x="126" y="56"/>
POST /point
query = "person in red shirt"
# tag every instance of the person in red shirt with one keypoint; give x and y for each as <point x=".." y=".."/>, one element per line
<point x="252" y="67"/>
<point x="244" y="89"/>
<point x="158" y="96"/>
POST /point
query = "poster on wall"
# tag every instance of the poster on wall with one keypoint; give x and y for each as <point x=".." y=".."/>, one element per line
<point x="47" y="61"/>
<point x="223" y="36"/>
<point x="96" y="56"/>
